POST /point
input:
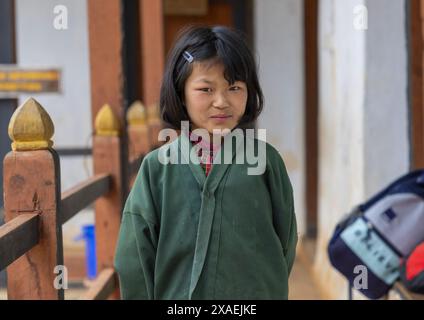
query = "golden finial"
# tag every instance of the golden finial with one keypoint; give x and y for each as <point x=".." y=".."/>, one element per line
<point x="106" y="124"/>
<point x="136" y="114"/>
<point x="31" y="127"/>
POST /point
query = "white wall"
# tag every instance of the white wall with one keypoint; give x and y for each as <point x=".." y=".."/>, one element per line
<point x="40" y="45"/>
<point x="363" y="141"/>
<point x="386" y="122"/>
<point x="279" y="48"/>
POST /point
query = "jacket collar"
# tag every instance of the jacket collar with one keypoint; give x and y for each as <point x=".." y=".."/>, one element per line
<point x="222" y="159"/>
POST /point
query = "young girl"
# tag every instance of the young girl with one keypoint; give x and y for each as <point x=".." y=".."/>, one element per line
<point x="208" y="229"/>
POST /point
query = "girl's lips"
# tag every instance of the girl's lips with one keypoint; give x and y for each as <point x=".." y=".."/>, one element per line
<point x="221" y="117"/>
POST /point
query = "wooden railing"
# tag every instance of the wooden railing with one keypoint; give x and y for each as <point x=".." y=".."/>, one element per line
<point x="35" y="209"/>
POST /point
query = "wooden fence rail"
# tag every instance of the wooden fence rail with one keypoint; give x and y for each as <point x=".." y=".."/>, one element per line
<point x="103" y="287"/>
<point x="83" y="194"/>
<point x="17" y="237"/>
<point x="35" y="209"/>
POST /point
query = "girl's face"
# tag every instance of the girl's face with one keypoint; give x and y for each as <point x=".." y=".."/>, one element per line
<point x="212" y="103"/>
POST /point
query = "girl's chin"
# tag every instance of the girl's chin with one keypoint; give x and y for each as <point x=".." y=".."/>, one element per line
<point x="224" y="130"/>
<point x="220" y="130"/>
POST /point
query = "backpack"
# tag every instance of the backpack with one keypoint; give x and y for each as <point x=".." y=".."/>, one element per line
<point x="377" y="234"/>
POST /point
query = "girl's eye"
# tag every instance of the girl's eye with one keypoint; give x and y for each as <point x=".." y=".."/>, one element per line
<point x="205" y="90"/>
<point x="235" y="88"/>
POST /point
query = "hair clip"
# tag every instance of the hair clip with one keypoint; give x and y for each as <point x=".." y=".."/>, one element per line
<point x="188" y="56"/>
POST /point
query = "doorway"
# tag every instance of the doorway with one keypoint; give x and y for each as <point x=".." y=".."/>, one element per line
<point x="236" y="14"/>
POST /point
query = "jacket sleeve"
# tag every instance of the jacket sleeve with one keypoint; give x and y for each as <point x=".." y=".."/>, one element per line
<point x="284" y="217"/>
<point x="135" y="253"/>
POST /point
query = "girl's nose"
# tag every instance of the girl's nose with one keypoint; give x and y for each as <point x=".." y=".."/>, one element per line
<point x="220" y="101"/>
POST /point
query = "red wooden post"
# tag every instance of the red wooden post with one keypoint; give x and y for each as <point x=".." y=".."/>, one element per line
<point x="153" y="49"/>
<point x="106" y="55"/>
<point x="32" y="185"/>
<point x="152" y="62"/>
<point x="107" y="159"/>
<point x="416" y="32"/>
<point x="109" y="148"/>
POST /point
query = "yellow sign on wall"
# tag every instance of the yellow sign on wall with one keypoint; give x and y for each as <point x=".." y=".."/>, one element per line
<point x="14" y="81"/>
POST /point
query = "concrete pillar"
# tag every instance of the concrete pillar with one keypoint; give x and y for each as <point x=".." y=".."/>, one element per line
<point x="363" y="137"/>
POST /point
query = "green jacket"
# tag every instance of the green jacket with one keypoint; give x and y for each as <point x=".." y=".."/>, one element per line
<point x="229" y="235"/>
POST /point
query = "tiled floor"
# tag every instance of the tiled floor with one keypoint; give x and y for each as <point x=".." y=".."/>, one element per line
<point x="301" y="286"/>
<point x="3" y="294"/>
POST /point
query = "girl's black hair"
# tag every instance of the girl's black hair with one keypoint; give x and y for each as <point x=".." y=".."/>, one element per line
<point x="219" y="44"/>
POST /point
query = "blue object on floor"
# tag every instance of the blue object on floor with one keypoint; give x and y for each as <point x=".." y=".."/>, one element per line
<point x="88" y="235"/>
